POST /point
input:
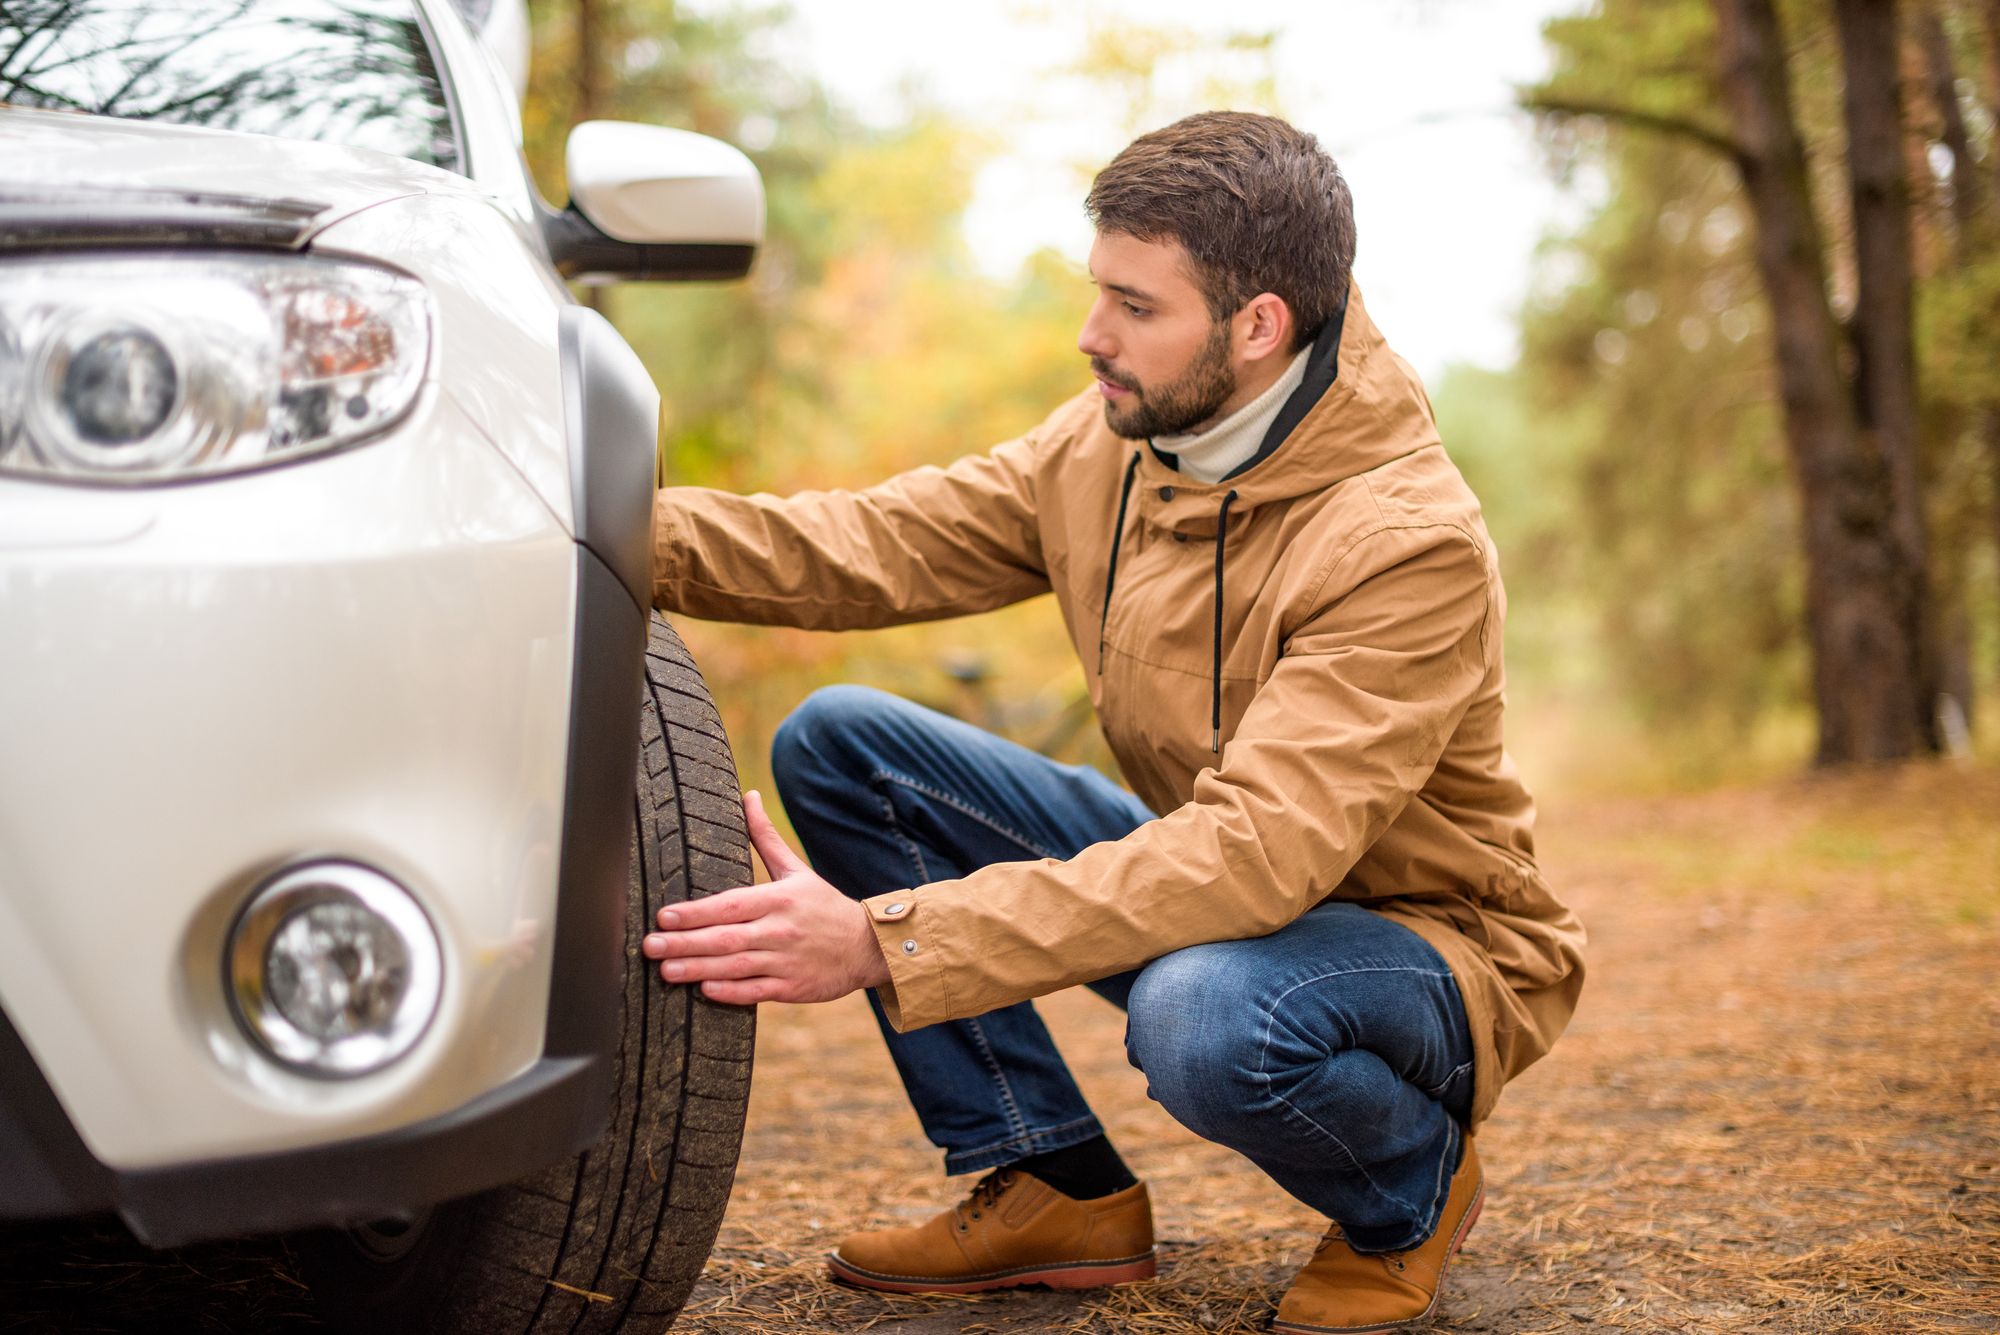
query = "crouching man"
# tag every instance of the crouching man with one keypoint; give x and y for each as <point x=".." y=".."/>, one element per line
<point x="1318" y="902"/>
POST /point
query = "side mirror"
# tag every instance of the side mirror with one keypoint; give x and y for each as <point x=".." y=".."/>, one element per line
<point x="654" y="204"/>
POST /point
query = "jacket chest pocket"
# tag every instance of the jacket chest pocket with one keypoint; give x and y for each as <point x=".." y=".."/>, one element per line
<point x="1162" y="606"/>
<point x="1159" y="689"/>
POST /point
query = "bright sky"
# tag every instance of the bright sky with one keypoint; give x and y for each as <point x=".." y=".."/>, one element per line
<point x="1412" y="97"/>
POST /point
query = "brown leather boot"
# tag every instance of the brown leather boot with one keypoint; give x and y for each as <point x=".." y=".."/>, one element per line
<point x="1345" y="1292"/>
<point x="1013" y="1229"/>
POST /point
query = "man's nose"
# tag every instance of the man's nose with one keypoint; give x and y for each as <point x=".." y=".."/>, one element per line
<point x="1093" y="340"/>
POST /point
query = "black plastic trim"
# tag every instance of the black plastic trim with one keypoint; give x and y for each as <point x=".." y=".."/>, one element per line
<point x="45" y="1168"/>
<point x="611" y="412"/>
<point x="556" y="1108"/>
<point x="582" y="252"/>
<point x="608" y="677"/>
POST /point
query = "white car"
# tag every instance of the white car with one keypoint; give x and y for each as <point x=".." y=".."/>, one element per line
<point x="326" y="657"/>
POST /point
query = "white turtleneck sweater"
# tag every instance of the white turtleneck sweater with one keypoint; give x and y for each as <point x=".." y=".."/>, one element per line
<point x="1209" y="455"/>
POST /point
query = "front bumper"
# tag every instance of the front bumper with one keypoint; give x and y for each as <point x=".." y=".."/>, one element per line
<point x="395" y="654"/>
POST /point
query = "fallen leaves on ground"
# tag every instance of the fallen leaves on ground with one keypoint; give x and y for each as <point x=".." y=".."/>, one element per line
<point x="1778" y="1108"/>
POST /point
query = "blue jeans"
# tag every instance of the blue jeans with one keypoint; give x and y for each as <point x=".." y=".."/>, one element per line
<point x="1332" y="1053"/>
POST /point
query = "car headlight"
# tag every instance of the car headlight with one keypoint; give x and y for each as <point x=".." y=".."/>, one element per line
<point x="151" y="368"/>
<point x="333" y="969"/>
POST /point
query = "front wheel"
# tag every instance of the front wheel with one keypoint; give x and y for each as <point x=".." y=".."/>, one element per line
<point x="617" y="1237"/>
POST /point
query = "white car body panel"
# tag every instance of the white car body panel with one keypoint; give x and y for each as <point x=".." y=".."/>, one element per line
<point x="415" y="580"/>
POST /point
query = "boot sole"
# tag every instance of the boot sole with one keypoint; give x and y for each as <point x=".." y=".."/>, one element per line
<point x="1068" y="1275"/>
<point x="1403" y="1322"/>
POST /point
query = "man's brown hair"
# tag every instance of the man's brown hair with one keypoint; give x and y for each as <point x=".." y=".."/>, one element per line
<point x="1257" y="204"/>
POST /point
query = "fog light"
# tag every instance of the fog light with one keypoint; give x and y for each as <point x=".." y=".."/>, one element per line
<point x="333" y="969"/>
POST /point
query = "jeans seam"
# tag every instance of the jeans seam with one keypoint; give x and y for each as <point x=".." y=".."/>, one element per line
<point x="1014" y="1118"/>
<point x="1439" y="1187"/>
<point x="1270" y="1085"/>
<point x="1437" y="1091"/>
<point x="909" y="844"/>
<point x="963" y="809"/>
<point x="1025" y="1140"/>
<point x="1015" y="1121"/>
<point x="1421" y="1234"/>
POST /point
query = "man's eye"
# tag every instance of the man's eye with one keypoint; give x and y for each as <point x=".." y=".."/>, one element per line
<point x="1139" y="311"/>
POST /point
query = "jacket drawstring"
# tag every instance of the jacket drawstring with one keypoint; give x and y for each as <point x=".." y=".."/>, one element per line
<point x="1215" y="693"/>
<point x="1111" y="571"/>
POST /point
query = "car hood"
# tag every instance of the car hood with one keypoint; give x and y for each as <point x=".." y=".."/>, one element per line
<point x="67" y="178"/>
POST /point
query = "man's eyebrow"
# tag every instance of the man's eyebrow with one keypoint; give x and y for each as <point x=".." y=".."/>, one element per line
<point x="1123" y="290"/>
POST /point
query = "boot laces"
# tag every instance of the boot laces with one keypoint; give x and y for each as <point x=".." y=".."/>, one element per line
<point x="985" y="1196"/>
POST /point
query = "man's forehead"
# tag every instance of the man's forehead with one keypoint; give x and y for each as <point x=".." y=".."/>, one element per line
<point x="1157" y="269"/>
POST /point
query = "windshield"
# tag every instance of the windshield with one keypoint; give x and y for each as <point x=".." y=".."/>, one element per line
<point x="350" y="72"/>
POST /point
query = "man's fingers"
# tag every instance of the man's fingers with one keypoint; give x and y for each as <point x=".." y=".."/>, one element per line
<point x="729" y="938"/>
<point x="778" y="857"/>
<point x="744" y="991"/>
<point x="743" y="904"/>
<point x="748" y="964"/>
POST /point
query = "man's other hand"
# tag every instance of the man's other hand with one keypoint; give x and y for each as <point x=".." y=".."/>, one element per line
<point x="795" y="938"/>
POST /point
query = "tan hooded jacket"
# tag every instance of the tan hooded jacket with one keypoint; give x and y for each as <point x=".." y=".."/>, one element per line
<point x="1312" y="704"/>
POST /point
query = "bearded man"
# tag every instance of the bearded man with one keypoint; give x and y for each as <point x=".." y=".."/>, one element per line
<point x="1317" y="902"/>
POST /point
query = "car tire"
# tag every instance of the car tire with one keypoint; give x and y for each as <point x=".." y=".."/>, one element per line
<point x="616" y="1238"/>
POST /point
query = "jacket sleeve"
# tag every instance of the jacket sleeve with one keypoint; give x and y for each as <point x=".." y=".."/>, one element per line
<point x="1348" y="726"/>
<point x="926" y="544"/>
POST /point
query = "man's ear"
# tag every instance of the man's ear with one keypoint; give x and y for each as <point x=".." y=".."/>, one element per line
<point x="1264" y="327"/>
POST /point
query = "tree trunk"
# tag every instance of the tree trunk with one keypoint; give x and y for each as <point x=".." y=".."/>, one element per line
<point x="1993" y="66"/>
<point x="1968" y="191"/>
<point x="1885" y="380"/>
<point x="1864" y="662"/>
<point x="1992" y="431"/>
<point x="1971" y="237"/>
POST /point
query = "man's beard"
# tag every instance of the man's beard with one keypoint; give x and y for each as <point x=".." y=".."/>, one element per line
<point x="1186" y="402"/>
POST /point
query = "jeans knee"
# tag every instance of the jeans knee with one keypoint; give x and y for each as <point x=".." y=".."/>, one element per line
<point x="1190" y="1030"/>
<point x="815" y="740"/>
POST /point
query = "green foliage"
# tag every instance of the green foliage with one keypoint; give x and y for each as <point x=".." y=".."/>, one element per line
<point x="1676" y="481"/>
<point x="711" y="70"/>
<point x="1645" y="347"/>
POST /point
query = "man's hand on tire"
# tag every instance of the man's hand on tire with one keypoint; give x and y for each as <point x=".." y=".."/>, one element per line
<point x="795" y="938"/>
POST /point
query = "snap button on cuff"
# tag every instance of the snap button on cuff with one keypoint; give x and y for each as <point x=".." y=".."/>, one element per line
<point x="1166" y="493"/>
<point x="909" y="947"/>
<point x="893" y="909"/>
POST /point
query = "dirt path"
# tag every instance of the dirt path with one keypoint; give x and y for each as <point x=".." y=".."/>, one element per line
<point x="1778" y="1110"/>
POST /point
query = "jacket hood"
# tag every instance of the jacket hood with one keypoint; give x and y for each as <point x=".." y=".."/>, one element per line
<point x="1359" y="407"/>
<point x="144" y="176"/>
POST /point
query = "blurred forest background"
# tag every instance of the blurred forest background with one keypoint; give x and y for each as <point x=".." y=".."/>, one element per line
<point x="1747" y="496"/>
